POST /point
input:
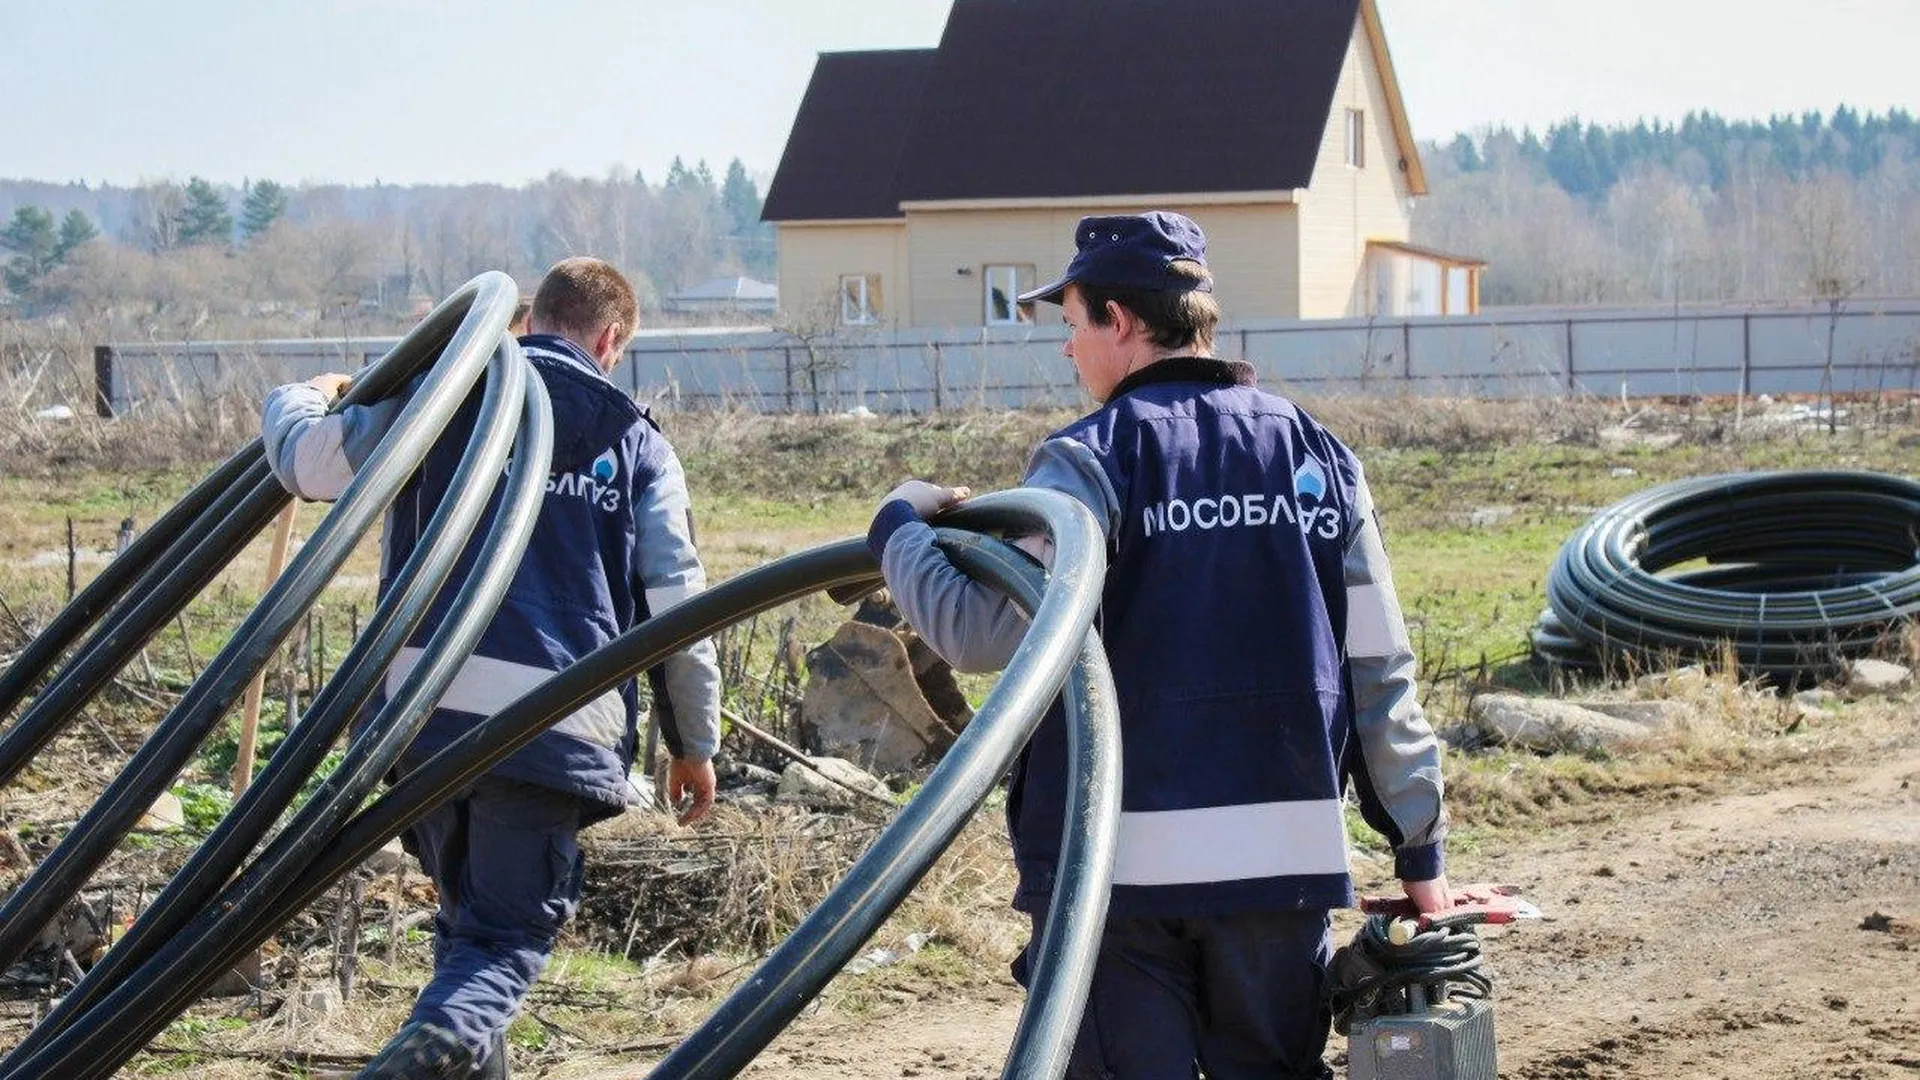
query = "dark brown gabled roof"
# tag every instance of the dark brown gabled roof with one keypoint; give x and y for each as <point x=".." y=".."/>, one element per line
<point x="844" y="150"/>
<point x="1072" y="98"/>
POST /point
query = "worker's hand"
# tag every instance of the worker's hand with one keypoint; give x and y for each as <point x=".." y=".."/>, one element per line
<point x="925" y="498"/>
<point x="1429" y="896"/>
<point x="690" y="779"/>
<point x="332" y="384"/>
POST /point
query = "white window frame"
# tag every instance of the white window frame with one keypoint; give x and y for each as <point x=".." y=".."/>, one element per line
<point x="858" y="296"/>
<point x="1357" y="138"/>
<point x="1007" y="278"/>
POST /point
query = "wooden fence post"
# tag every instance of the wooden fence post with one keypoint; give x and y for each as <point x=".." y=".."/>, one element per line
<point x="103" y="380"/>
<point x="250" y="711"/>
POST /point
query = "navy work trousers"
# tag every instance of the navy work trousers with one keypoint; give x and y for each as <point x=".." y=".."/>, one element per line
<point x="506" y="859"/>
<point x="1241" y="997"/>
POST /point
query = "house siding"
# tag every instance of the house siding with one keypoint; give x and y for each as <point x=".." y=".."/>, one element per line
<point x="814" y="257"/>
<point x="1347" y="206"/>
<point x="1251" y="249"/>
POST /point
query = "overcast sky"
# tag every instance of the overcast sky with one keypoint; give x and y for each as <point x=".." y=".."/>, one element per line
<point x="460" y="91"/>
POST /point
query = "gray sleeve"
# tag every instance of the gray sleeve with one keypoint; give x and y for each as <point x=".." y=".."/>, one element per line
<point x="313" y="453"/>
<point x="973" y="627"/>
<point x="667" y="566"/>
<point x="1401" y="754"/>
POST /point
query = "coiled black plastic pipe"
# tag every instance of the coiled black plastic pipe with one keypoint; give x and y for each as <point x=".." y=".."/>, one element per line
<point x="160" y="758"/>
<point x="100" y="1039"/>
<point x="509" y="389"/>
<point x="1805" y="572"/>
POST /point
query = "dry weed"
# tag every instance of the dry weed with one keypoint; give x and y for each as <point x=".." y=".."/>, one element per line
<point x="738" y="883"/>
<point x="1458" y="424"/>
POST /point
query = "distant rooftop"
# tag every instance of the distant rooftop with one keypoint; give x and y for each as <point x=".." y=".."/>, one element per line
<point x="736" y="289"/>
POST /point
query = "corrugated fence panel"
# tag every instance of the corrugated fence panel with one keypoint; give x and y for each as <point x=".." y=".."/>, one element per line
<point x="1659" y="355"/>
<point x="1488" y="358"/>
<point x="1513" y="353"/>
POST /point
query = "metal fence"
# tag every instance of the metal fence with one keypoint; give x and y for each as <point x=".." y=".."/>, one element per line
<point x="1852" y="347"/>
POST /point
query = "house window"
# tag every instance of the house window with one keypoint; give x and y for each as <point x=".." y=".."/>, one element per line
<point x="1005" y="282"/>
<point x="1357" y="138"/>
<point x="859" y="299"/>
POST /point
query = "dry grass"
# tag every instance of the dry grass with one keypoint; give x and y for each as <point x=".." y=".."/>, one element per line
<point x="1457" y="424"/>
<point x="676" y="919"/>
<point x="737" y="883"/>
<point x="1726" y="732"/>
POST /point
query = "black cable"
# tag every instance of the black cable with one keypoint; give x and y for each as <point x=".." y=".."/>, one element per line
<point x="1806" y="571"/>
<point x="1372" y="976"/>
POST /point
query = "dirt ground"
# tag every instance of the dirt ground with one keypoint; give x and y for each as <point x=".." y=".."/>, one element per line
<point x="1772" y="932"/>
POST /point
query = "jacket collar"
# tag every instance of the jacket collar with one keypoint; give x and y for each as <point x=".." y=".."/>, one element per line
<point x="1200" y="369"/>
<point x="591" y="413"/>
<point x="555" y="345"/>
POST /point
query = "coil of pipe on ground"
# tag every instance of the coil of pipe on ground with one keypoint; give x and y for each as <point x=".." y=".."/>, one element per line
<point x="1798" y="573"/>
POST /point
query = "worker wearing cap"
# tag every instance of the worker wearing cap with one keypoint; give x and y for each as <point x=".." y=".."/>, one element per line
<point x="1261" y="663"/>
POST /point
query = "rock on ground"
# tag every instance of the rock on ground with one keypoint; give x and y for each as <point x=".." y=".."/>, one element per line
<point x="1551" y="726"/>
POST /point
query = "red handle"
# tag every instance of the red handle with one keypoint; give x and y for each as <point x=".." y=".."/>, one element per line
<point x="1472" y="904"/>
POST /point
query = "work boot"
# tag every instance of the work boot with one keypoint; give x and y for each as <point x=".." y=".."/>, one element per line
<point x="421" y="1051"/>
<point x="495" y="1067"/>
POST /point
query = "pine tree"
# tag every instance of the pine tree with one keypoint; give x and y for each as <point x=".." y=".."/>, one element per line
<point x="1568" y="160"/>
<point x="677" y="175"/>
<point x="206" y="219"/>
<point x="32" y="238"/>
<point x="741" y="198"/>
<point x="261" y="205"/>
<point x="1466" y="155"/>
<point x="752" y="238"/>
<point x="75" y="229"/>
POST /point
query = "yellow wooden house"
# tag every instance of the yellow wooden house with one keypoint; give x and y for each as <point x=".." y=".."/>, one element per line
<point x="927" y="187"/>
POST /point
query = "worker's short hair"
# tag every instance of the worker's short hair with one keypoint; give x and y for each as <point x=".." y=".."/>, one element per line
<point x="1176" y="318"/>
<point x="580" y="297"/>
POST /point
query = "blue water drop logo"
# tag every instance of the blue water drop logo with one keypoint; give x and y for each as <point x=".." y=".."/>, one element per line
<point x="605" y="467"/>
<point x="1309" y="482"/>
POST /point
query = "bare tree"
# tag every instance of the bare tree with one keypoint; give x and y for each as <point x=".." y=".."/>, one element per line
<point x="1830" y="246"/>
<point x="815" y="326"/>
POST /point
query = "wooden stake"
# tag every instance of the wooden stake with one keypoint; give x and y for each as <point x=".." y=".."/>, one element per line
<point x="250" y="712"/>
<point x="350" y="936"/>
<point x="186" y="646"/>
<point x="393" y="915"/>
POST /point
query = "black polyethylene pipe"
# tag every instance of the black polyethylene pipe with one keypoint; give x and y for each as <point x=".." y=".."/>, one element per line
<point x="511" y="393"/>
<point x="373" y="751"/>
<point x="795" y="972"/>
<point x="1070" y="935"/>
<point x="139" y="593"/>
<point x="115" y="580"/>
<point x="160" y="758"/>
<point x="150" y="600"/>
<point x="102" y="1042"/>
<point x="1810" y="570"/>
<point x="135" y="1012"/>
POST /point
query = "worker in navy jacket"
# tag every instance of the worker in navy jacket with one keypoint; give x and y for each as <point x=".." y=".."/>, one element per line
<point x="613" y="545"/>
<point x="1261" y="663"/>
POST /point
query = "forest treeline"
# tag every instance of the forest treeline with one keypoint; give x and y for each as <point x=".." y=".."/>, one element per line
<point x="198" y="260"/>
<point x="1820" y="205"/>
<point x="1811" y="206"/>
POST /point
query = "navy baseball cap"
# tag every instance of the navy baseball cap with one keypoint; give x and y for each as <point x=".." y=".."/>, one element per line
<point x="1130" y="251"/>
